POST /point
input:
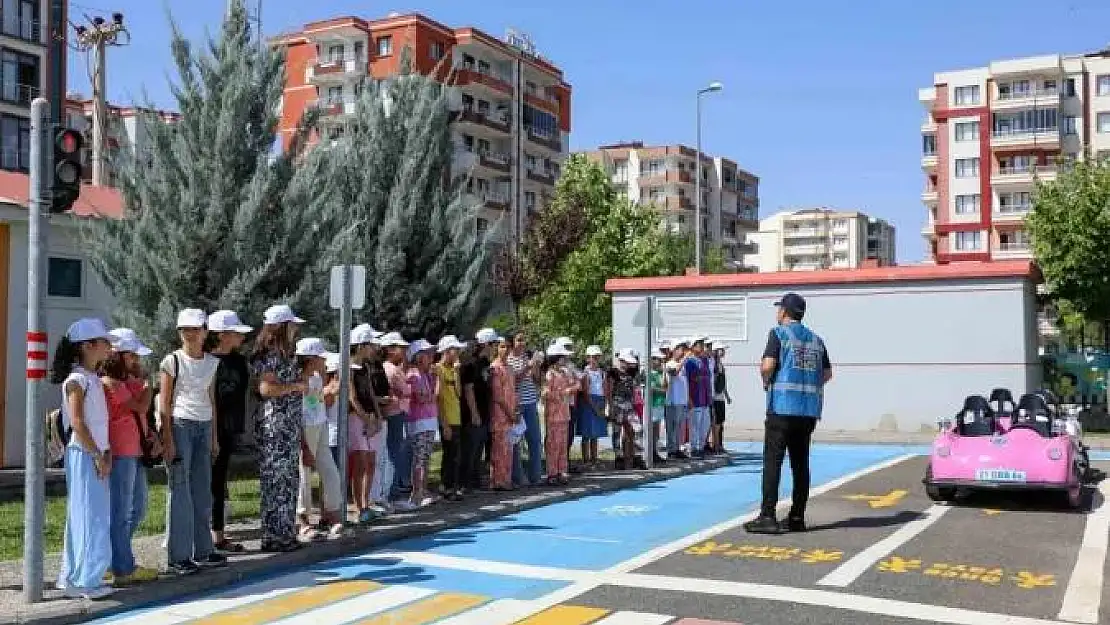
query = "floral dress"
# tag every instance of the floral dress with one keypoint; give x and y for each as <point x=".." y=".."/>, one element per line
<point x="503" y="387"/>
<point x="557" y="394"/>
<point x="278" y="434"/>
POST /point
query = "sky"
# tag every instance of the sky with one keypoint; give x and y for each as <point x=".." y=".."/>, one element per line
<point x="819" y="100"/>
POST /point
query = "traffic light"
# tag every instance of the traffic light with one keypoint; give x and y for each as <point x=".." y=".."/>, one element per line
<point x="66" y="184"/>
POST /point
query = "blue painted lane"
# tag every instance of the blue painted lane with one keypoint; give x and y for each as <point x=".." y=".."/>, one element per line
<point x="393" y="572"/>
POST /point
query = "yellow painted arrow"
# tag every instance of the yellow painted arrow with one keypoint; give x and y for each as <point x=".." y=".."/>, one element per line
<point x="880" y="501"/>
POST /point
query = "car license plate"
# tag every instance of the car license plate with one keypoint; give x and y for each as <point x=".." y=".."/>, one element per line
<point x="999" y="475"/>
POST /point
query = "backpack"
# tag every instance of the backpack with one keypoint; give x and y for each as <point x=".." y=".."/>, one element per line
<point x="57" y="438"/>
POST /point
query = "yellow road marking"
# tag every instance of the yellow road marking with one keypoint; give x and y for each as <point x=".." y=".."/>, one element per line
<point x="880" y="501"/>
<point x="431" y="609"/>
<point x="990" y="512"/>
<point x="284" y="606"/>
<point x="565" y="615"/>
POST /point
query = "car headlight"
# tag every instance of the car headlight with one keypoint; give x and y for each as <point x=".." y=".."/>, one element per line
<point x="1054" y="453"/>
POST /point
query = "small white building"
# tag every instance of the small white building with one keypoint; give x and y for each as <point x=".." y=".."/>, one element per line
<point x="72" y="291"/>
<point x="907" y="343"/>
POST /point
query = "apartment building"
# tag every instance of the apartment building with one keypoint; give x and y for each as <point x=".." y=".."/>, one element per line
<point x="665" y="176"/>
<point x="123" y="131"/>
<point x="24" y="73"/>
<point x="512" y="122"/>
<point x="990" y="132"/>
<point x="821" y="238"/>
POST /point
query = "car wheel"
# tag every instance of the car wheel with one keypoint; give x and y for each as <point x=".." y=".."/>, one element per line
<point x="1075" y="497"/>
<point x="937" y="493"/>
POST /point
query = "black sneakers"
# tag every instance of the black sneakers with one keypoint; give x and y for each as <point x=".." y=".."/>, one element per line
<point x="184" y="567"/>
<point x="793" y="524"/>
<point x="213" y="561"/>
<point x="763" y="525"/>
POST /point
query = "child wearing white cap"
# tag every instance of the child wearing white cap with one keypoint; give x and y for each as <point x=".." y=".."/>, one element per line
<point x="421" y="421"/>
<point x="315" y="455"/>
<point x="86" y="548"/>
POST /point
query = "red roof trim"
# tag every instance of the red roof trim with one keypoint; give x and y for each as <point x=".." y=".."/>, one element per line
<point x="903" y="273"/>
<point x="94" y="201"/>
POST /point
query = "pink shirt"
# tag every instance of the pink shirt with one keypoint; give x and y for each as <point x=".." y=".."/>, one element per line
<point x="123" y="428"/>
<point x="502" y="387"/>
<point x="560" y="388"/>
<point x="398" y="388"/>
<point x="422" y="387"/>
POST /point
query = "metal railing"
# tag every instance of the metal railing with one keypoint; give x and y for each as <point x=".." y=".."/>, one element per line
<point x="26" y="29"/>
<point x="1027" y="169"/>
<point x="17" y="93"/>
<point x="1029" y="93"/>
<point x="1014" y="209"/>
<point x="1005" y="133"/>
<point x="1014" y="246"/>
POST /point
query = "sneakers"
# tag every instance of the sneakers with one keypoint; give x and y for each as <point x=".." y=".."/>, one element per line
<point x="184" y="567"/>
<point x="92" y="594"/>
<point x="336" y="531"/>
<point x="140" y="575"/>
<point x="763" y="525"/>
<point x="405" y="505"/>
<point x="213" y="561"/>
<point x="793" y="524"/>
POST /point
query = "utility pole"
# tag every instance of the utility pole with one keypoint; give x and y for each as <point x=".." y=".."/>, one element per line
<point x="95" y="38"/>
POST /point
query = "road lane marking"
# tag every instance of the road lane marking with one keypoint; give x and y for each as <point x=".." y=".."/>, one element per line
<point x="582" y="539"/>
<point x="262" y="612"/>
<point x="859" y="564"/>
<point x="888" y="500"/>
<point x="500" y="611"/>
<point x="422" y="612"/>
<point x="564" y="615"/>
<point x="635" y="618"/>
<point x="365" y="605"/>
<point x="489" y="567"/>
<point x="1084" y="590"/>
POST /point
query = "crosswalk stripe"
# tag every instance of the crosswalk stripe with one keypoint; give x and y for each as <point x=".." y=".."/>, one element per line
<point x="500" y="612"/>
<point x="635" y="618"/>
<point x="565" y="615"/>
<point x="358" y="607"/>
<point x="426" y="611"/>
<point x="263" y="612"/>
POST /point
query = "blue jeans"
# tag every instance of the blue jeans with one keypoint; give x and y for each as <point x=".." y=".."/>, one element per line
<point x="675" y="417"/>
<point x="86" y="549"/>
<point x="128" y="492"/>
<point x="699" y="428"/>
<point x="532" y="438"/>
<point x="397" y="448"/>
<point x="189" y="510"/>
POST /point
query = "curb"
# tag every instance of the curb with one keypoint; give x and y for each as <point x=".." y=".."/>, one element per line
<point x="243" y="569"/>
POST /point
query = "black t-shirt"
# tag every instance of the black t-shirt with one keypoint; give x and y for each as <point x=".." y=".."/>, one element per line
<point x="475" y="371"/>
<point x="774" y="349"/>
<point x="232" y="381"/>
<point x="364" y="392"/>
<point x="378" y="379"/>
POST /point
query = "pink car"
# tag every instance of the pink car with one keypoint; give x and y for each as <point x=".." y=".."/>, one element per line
<point x="1030" y="446"/>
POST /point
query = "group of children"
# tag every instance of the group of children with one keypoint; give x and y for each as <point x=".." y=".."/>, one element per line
<point x="483" y="401"/>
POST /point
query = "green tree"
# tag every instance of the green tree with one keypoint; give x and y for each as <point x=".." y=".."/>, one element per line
<point x="211" y="220"/>
<point x="1070" y="228"/>
<point x="391" y="176"/>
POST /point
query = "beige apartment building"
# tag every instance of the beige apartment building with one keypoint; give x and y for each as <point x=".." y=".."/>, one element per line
<point x="990" y="132"/>
<point x="821" y="238"/>
<point x="665" y="176"/>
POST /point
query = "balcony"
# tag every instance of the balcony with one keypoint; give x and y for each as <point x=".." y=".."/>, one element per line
<point x="26" y="29"/>
<point x="1047" y="138"/>
<point x="661" y="176"/>
<point x="929" y="196"/>
<point x="1024" y="99"/>
<point x="14" y="93"/>
<point x="468" y="74"/>
<point x="543" y="101"/>
<point x="543" y="177"/>
<point x="805" y="250"/>
<point x="929" y="126"/>
<point x="549" y="140"/>
<point x="494" y="160"/>
<point x="1011" y="212"/>
<point x="674" y="202"/>
<point x="338" y="70"/>
<point x="804" y="233"/>
<point x="1023" y="175"/>
<point x="337" y="107"/>
<point x="495" y="120"/>
<point x="1013" y="250"/>
<point x="929" y="161"/>
<point x="493" y="199"/>
<point x="746" y="248"/>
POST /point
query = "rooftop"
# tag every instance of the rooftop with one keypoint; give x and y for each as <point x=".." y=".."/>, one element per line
<point x="93" y="202"/>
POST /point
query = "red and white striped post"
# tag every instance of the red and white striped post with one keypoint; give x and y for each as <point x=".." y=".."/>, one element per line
<point x="38" y="355"/>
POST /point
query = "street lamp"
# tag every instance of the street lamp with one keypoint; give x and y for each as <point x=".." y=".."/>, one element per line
<point x="713" y="86"/>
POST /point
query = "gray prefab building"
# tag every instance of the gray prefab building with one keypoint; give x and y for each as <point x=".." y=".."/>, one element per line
<point x="907" y="343"/>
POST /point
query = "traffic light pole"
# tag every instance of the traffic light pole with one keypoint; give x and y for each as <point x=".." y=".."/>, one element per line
<point x="35" y="463"/>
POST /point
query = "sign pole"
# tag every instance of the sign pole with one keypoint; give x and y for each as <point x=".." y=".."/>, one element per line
<point x="34" y="510"/>
<point x="646" y="423"/>
<point x="344" y="383"/>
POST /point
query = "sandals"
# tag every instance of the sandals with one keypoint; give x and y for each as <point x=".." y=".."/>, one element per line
<point x="227" y="546"/>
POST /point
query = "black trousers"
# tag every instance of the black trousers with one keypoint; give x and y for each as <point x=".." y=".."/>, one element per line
<point x="782" y="436"/>
<point x="226" y="441"/>
<point x="474" y="440"/>
<point x="451" y="465"/>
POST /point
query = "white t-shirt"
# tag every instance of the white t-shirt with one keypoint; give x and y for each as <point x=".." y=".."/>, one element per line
<point x="96" y="407"/>
<point x="192" y="397"/>
<point x="313" y="410"/>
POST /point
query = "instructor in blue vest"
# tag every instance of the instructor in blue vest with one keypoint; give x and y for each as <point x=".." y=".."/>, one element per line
<point x="795" y="369"/>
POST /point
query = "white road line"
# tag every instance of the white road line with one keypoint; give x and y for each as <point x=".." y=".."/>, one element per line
<point x="848" y="572"/>
<point x="491" y="567"/>
<point x="583" y="539"/>
<point x="635" y="618"/>
<point x="500" y="611"/>
<point x="350" y="610"/>
<point x="1084" y="591"/>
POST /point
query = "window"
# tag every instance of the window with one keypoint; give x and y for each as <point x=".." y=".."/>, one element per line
<point x="967" y="131"/>
<point x="63" y="277"/>
<point x="360" y="51"/>
<point x="653" y="167"/>
<point x="1103" y="123"/>
<point x="19" y="77"/>
<point x="1035" y="120"/>
<point x="483" y="107"/>
<point x="1019" y="164"/>
<point x="1015" y="202"/>
<point x="530" y="200"/>
<point x="967" y="204"/>
<point x="929" y="145"/>
<point x="435" y="51"/>
<point x="15" y="143"/>
<point x="482" y="226"/>
<point x="21" y="19"/>
<point x="967" y="241"/>
<point x="1103" y="84"/>
<point x="1070" y="125"/>
<point x="385" y="45"/>
<point x="967" y="168"/>
<point x="1013" y="241"/>
<point x="1069" y="87"/>
<point x="620" y="170"/>
<point x="968" y="95"/>
<point x="335" y="54"/>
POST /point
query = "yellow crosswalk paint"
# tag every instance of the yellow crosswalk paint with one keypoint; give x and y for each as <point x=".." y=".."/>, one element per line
<point x="428" y="610"/>
<point x="263" y="612"/>
<point x="565" y="615"/>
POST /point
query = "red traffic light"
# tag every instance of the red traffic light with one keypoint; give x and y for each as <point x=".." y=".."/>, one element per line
<point x="69" y="141"/>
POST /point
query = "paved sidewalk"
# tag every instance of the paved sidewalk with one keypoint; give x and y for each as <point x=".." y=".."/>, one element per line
<point x="478" y="507"/>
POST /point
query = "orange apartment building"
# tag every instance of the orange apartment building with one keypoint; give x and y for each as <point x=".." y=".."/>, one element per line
<point x="991" y="132"/>
<point x="512" y="125"/>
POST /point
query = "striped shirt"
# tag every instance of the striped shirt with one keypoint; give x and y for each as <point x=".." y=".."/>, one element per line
<point x="526" y="392"/>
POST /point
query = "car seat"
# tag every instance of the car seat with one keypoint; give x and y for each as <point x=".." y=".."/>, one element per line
<point x="976" y="418"/>
<point x="1052" y="401"/>
<point x="1002" y="402"/>
<point x="1033" y="413"/>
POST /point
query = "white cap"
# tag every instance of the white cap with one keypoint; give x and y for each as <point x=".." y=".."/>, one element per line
<point x="419" y="345"/>
<point x="594" y="350"/>
<point x="311" y="347"/>
<point x="191" y="318"/>
<point x="681" y="343"/>
<point x="486" y="336"/>
<point x="363" y="333"/>
<point x="227" y="321"/>
<point x="657" y="353"/>
<point x="280" y="313"/>
<point x="708" y="340"/>
<point x="628" y="356"/>
<point x="666" y="344"/>
<point x="565" y="341"/>
<point x="698" y="338"/>
<point x="449" y="342"/>
<point x="556" y="349"/>
<point x="333" y="362"/>
<point x="87" y="329"/>
<point x="126" y="340"/>
<point x="392" y="339"/>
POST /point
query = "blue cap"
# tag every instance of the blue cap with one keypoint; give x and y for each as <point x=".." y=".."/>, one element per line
<point x="793" y="303"/>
